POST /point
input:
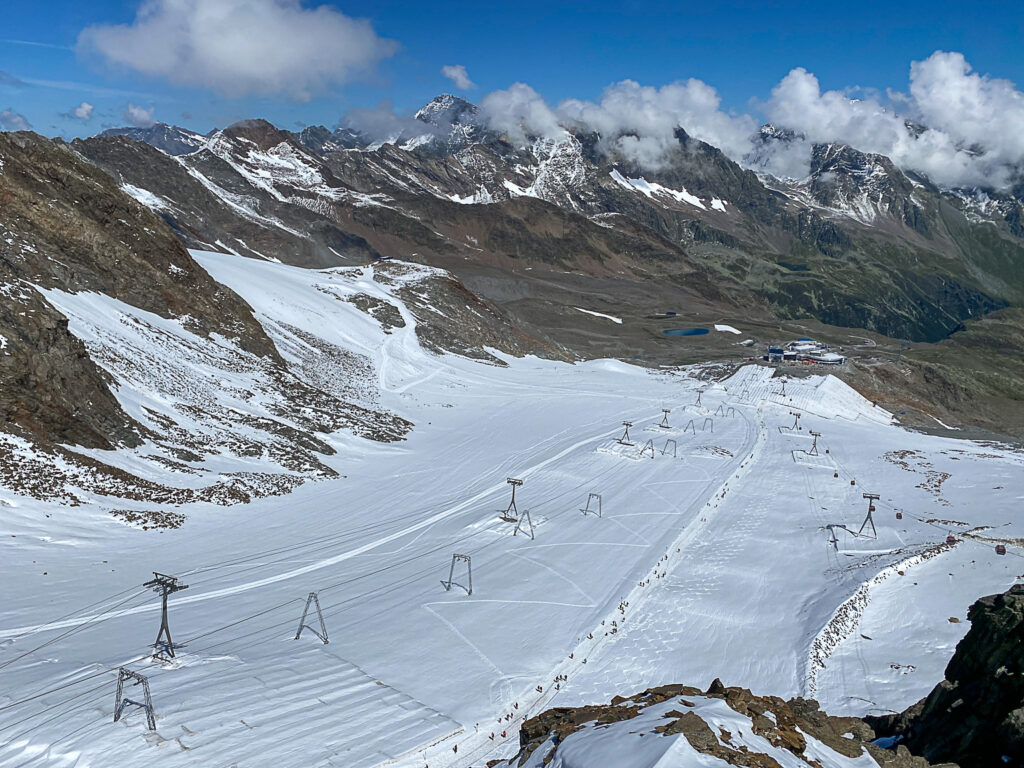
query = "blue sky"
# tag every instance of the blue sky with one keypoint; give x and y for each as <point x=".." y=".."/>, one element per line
<point x="562" y="50"/>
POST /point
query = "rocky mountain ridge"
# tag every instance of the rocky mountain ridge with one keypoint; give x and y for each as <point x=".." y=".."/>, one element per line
<point x="858" y="243"/>
<point x="112" y="335"/>
<point x="171" y="139"/>
<point x="682" y="725"/>
<point x="972" y="718"/>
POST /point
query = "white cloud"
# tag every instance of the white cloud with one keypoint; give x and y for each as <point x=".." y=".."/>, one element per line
<point x="964" y="129"/>
<point x="382" y="123"/>
<point x="240" y="47"/>
<point x="641" y="121"/>
<point x="638" y="122"/>
<point x="458" y="75"/>
<point x="82" y="112"/>
<point x="520" y="113"/>
<point x="974" y="125"/>
<point x="14" y="121"/>
<point x="139" y="116"/>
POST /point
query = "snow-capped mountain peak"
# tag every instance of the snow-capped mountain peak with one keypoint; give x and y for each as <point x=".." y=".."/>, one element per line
<point x="447" y="110"/>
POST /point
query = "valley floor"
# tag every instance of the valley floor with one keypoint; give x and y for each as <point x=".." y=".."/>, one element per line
<point x="711" y="559"/>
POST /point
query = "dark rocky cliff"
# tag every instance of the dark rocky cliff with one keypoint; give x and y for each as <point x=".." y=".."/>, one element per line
<point x="976" y="715"/>
<point x="66" y="225"/>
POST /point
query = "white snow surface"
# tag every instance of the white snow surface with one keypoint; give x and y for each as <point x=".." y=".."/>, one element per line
<point x="720" y="551"/>
<point x="617" y="320"/>
<point x="651" y="188"/>
<point x="146" y="197"/>
<point x="726" y="329"/>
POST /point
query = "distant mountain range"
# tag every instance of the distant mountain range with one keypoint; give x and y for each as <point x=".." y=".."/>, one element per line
<point x="530" y="232"/>
<point x="857" y="243"/>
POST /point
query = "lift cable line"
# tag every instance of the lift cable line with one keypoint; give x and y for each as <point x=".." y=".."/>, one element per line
<point x="333" y="537"/>
<point x="329" y="610"/>
<point x="381" y="589"/>
<point x="64" y="686"/>
<point x="92" y="620"/>
<point x="256" y="556"/>
<point x="43" y="627"/>
<point x="938" y="526"/>
<point x="102" y="686"/>
<point x="338" y="607"/>
<point x="163" y="650"/>
<point x="322" y="634"/>
<point x="610" y="470"/>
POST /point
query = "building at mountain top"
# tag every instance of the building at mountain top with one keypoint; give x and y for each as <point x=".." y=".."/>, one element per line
<point x="804" y="351"/>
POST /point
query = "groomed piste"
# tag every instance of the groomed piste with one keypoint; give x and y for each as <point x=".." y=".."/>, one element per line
<point x="731" y="543"/>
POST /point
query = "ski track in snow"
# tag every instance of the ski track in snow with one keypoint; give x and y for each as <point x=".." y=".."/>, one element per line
<point x="714" y="563"/>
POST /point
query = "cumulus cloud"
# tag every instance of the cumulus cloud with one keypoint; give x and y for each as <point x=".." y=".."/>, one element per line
<point x="956" y="127"/>
<point x="82" y="112"/>
<point x="641" y="121"/>
<point x="382" y="123"/>
<point x="139" y="117"/>
<point x="520" y="113"/>
<point x="241" y="47"/>
<point x="634" y="121"/>
<point x="458" y="75"/>
<point x="14" y="121"/>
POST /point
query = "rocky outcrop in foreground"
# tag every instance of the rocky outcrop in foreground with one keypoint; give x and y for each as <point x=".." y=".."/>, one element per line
<point x="720" y="726"/>
<point x="976" y="715"/>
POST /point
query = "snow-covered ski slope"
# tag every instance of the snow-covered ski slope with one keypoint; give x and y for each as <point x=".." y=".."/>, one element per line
<point x="712" y="562"/>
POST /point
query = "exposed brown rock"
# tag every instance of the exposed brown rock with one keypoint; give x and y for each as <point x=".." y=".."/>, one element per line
<point x="65" y="224"/>
<point x="782" y="723"/>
